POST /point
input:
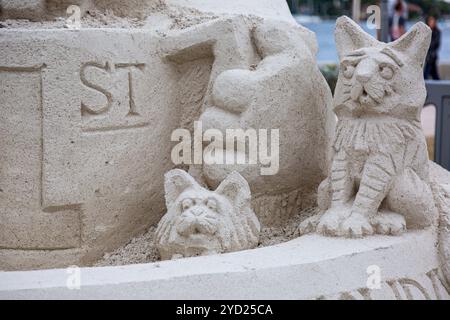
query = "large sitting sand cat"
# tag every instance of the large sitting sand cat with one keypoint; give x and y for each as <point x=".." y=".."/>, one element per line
<point x="379" y="178"/>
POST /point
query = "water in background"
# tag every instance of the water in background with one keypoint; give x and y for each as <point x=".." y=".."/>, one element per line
<point x="327" y="48"/>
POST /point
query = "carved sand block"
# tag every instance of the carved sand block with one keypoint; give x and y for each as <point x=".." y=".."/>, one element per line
<point x="86" y="141"/>
<point x="83" y="144"/>
<point x="379" y="179"/>
<point x="258" y="69"/>
<point x="203" y="222"/>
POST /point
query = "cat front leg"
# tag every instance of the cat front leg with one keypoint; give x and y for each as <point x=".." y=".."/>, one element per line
<point x="378" y="175"/>
<point x="341" y="187"/>
<point x="341" y="182"/>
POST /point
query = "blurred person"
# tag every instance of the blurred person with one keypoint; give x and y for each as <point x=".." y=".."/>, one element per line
<point x="397" y="23"/>
<point x="431" y="63"/>
<point x="391" y="8"/>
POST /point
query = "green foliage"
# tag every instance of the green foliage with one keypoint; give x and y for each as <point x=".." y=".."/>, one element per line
<point x="330" y="73"/>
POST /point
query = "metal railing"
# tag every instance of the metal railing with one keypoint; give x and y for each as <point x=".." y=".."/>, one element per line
<point x="439" y="96"/>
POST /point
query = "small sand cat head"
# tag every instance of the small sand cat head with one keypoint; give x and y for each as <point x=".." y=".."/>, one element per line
<point x="380" y="78"/>
<point x="200" y="222"/>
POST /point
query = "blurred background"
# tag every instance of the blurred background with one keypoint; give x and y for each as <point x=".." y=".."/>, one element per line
<point x="397" y="17"/>
<point x="320" y="15"/>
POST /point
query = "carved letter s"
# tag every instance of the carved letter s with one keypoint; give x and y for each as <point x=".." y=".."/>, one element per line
<point x="95" y="110"/>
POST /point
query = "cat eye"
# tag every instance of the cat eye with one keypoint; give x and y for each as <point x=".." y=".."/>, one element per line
<point x="349" y="70"/>
<point x="186" y="204"/>
<point x="211" y="204"/>
<point x="386" y="72"/>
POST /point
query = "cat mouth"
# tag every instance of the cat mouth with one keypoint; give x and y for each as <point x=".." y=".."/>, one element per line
<point x="360" y="93"/>
<point x="201" y="237"/>
<point x="364" y="93"/>
<point x="200" y="241"/>
<point x="366" y="99"/>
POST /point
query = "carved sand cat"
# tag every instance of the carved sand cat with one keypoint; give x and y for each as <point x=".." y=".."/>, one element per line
<point x="203" y="222"/>
<point x="380" y="158"/>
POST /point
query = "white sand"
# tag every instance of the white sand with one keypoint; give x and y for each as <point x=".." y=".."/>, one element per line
<point x="142" y="249"/>
<point x="177" y="17"/>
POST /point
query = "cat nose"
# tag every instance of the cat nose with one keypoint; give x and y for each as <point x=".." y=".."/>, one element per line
<point x="197" y="211"/>
<point x="365" y="70"/>
<point x="363" y="77"/>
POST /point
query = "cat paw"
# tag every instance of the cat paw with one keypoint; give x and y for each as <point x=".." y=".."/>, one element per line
<point x="389" y="224"/>
<point x="357" y="225"/>
<point x="309" y="225"/>
<point x="330" y="222"/>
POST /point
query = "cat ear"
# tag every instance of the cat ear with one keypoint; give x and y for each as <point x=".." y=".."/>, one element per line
<point x="350" y="36"/>
<point x="236" y="189"/>
<point x="415" y="43"/>
<point x="175" y="182"/>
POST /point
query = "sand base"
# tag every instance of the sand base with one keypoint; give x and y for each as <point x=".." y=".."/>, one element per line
<point x="142" y="249"/>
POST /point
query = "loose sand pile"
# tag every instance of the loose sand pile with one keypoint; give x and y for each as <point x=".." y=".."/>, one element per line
<point x="142" y="249"/>
<point x="175" y="18"/>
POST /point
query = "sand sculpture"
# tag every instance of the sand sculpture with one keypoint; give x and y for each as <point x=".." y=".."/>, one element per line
<point x="202" y="222"/>
<point x="87" y="142"/>
<point x="99" y="105"/>
<point x="379" y="179"/>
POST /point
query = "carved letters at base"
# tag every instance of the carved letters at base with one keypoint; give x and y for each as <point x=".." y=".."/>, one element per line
<point x="431" y="286"/>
